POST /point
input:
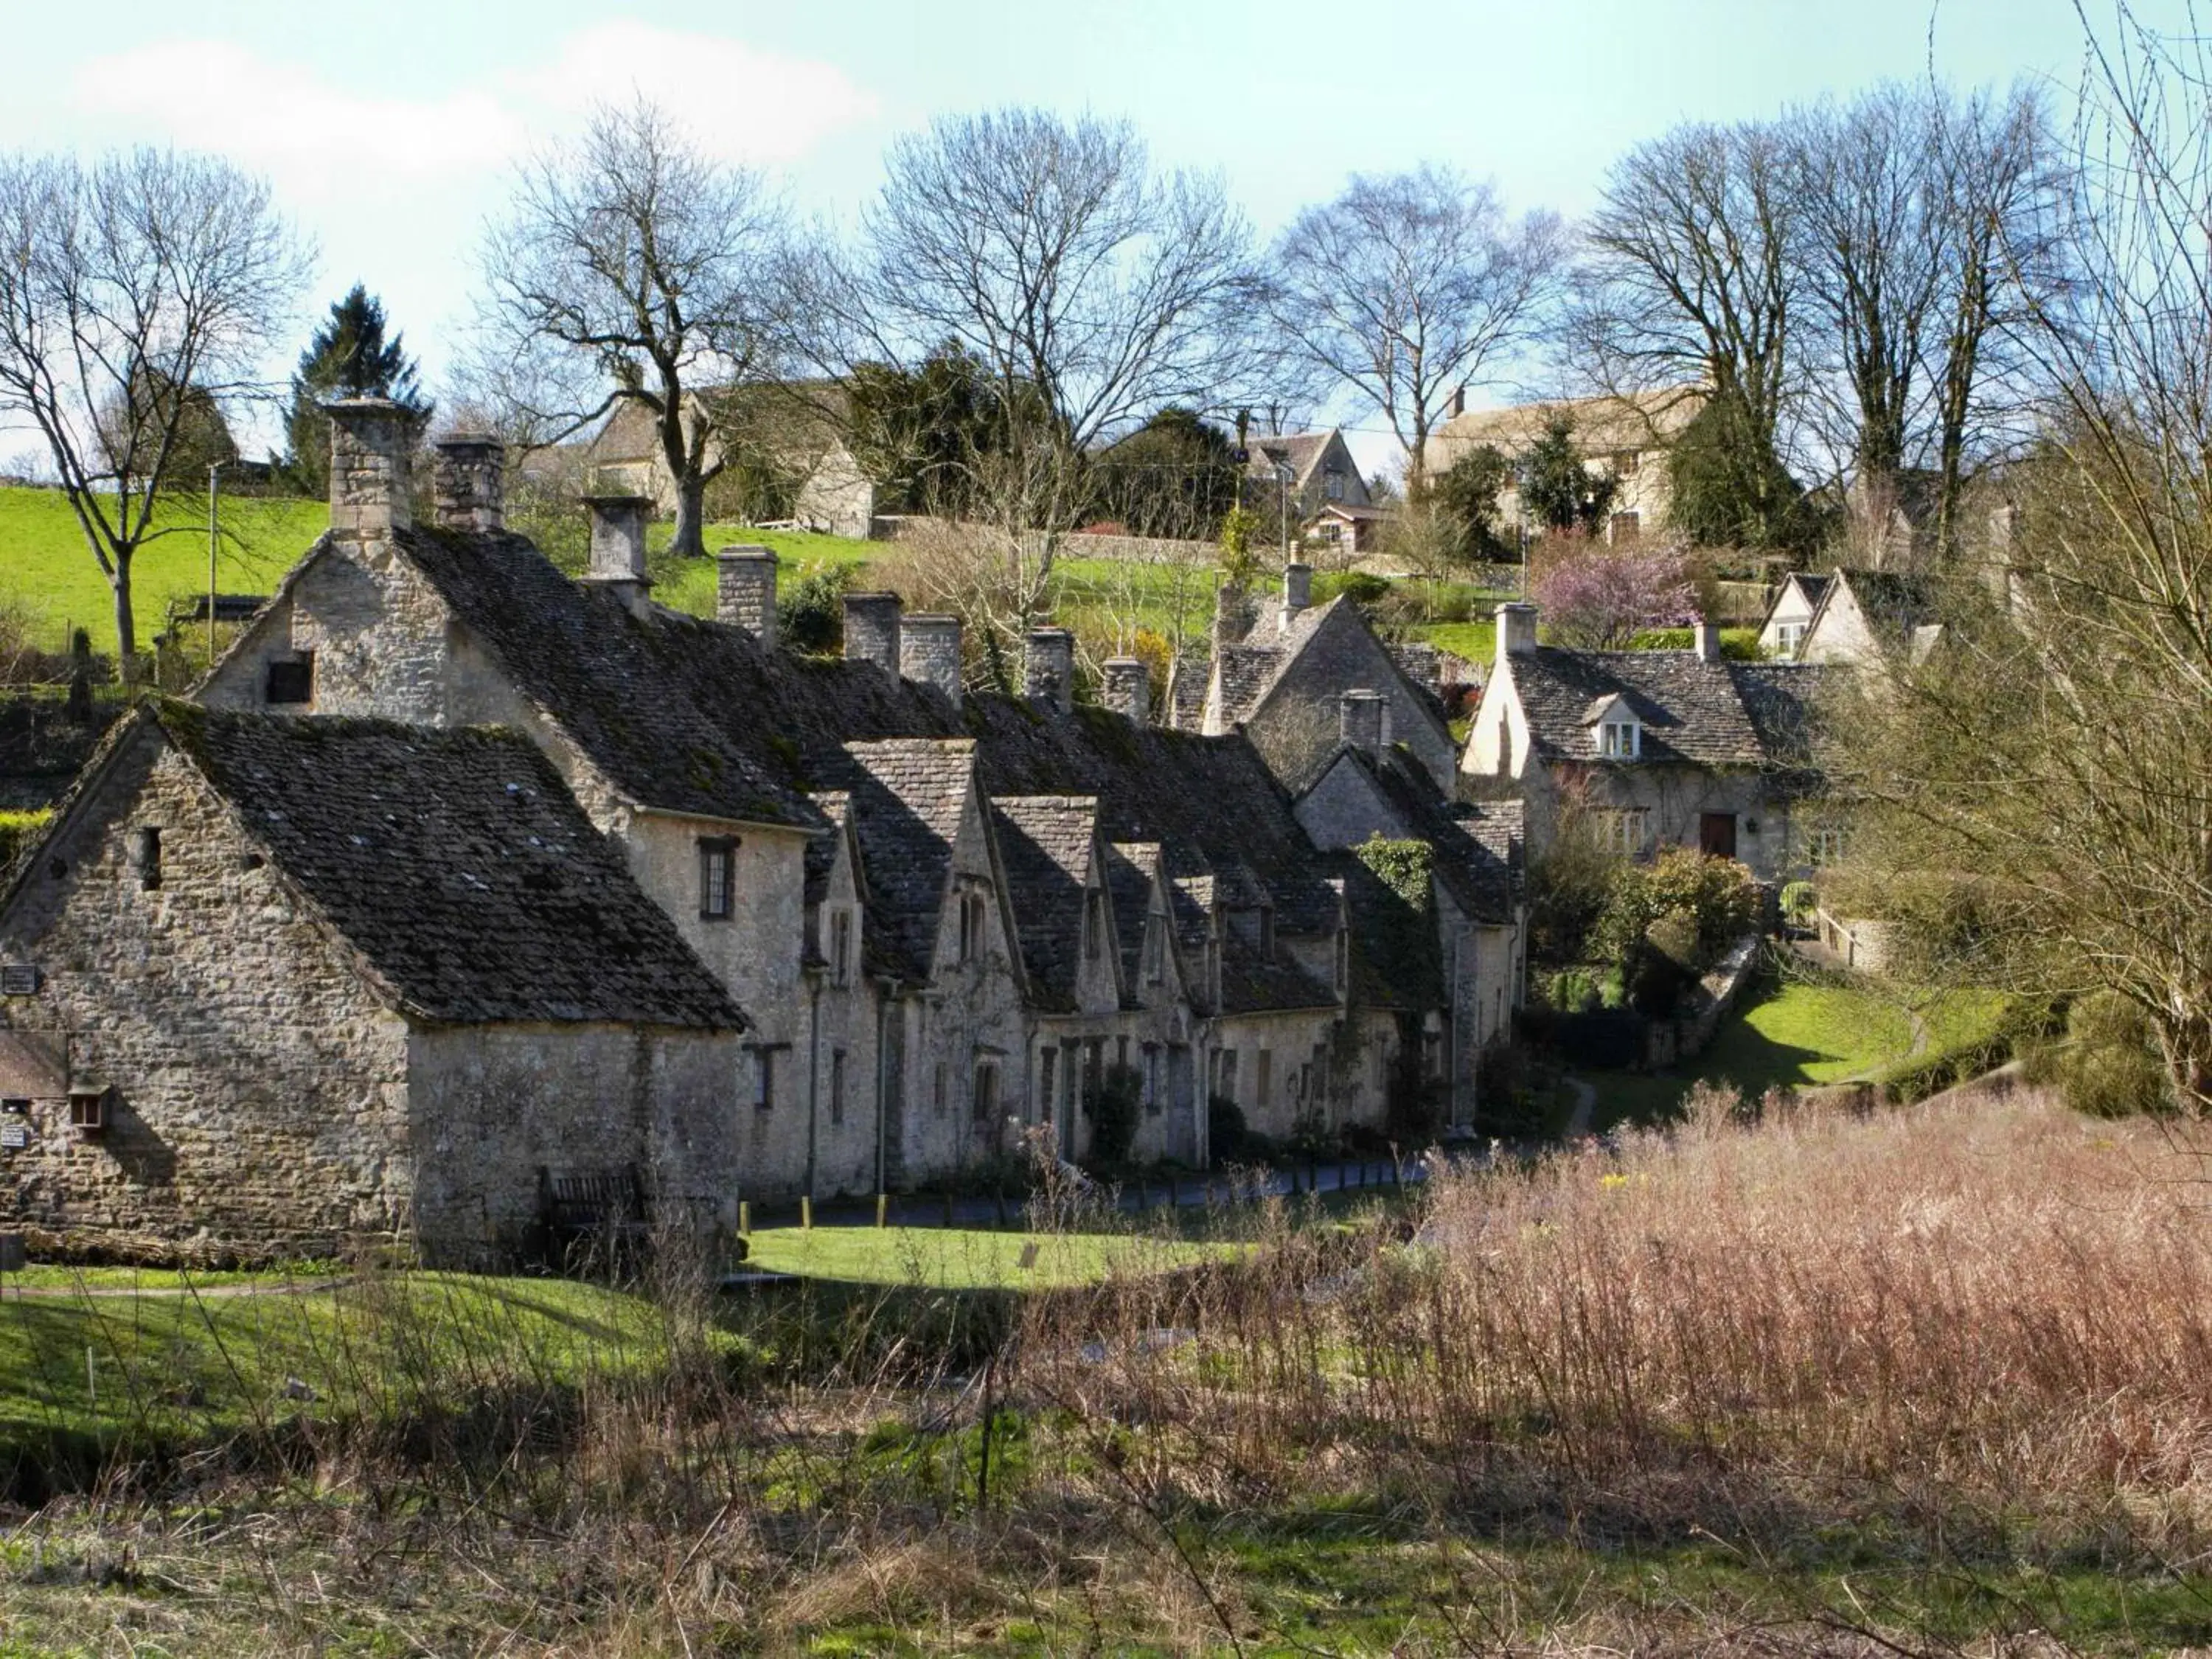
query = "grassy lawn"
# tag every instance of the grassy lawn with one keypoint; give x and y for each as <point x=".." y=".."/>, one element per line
<point x="1799" y="1035"/>
<point x="954" y="1259"/>
<point x="185" y="1364"/>
<point x="46" y="569"/>
<point x="1474" y="642"/>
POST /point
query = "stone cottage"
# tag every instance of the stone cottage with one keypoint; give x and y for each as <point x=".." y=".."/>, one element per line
<point x="947" y="915"/>
<point x="1667" y="748"/>
<point x="274" y="985"/>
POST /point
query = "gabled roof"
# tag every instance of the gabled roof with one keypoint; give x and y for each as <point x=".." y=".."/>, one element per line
<point x="1045" y="844"/>
<point x="624" y="688"/>
<point x="1478" y="849"/>
<point x="1254" y="984"/>
<point x="1811" y="587"/>
<point x="458" y="864"/>
<point x="1302" y="450"/>
<point x="908" y="796"/>
<point x="1691" y="709"/>
<point x="1131" y="866"/>
<point x="1639" y="420"/>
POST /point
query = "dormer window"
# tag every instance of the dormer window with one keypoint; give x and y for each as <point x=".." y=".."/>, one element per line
<point x="1619" y="738"/>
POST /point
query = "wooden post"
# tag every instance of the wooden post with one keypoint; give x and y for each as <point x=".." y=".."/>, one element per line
<point x="948" y="1206"/>
<point x="883" y="1204"/>
<point x="805" y="1213"/>
<point x="745" y="1218"/>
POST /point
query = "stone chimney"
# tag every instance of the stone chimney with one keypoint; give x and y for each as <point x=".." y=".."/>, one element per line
<point x="1232" y="614"/>
<point x="744" y="591"/>
<point x="1706" y="639"/>
<point x="1516" y="629"/>
<point x="929" y="652"/>
<point x="1297" y="589"/>
<point x="372" y="451"/>
<point x="872" y="630"/>
<point x="1128" y="688"/>
<point x="1363" y="720"/>
<point x="1459" y="400"/>
<point x="1048" y="670"/>
<point x="617" y="562"/>
<point x="468" y="482"/>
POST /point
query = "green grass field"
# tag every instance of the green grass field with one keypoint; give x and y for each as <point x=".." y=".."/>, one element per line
<point x="953" y="1259"/>
<point x="47" y="570"/>
<point x="189" y="1363"/>
<point x="1802" y="1035"/>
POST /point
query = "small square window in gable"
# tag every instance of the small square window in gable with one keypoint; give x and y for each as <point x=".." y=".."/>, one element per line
<point x="290" y="682"/>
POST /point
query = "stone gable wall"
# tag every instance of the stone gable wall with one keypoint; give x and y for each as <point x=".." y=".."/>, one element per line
<point x="1300" y="722"/>
<point x="260" y="1101"/>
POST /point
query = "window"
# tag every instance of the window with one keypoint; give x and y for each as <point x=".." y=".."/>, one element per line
<point x="1625" y="832"/>
<point x="88" y="1110"/>
<point x="987" y="1091"/>
<point x="1332" y="484"/>
<point x="1624" y="526"/>
<point x="146" y="857"/>
<point x="292" y="681"/>
<point x="1154" y="1094"/>
<point x="764" y="1079"/>
<point x="1827" y="846"/>
<point x="1625" y="463"/>
<point x="836" y="1086"/>
<point x="1788" y="636"/>
<point x="972" y="922"/>
<point x="840" y="947"/>
<point x="1224" y="1081"/>
<point x="937" y="1089"/>
<point x="1619" y="739"/>
<point x="718" y="877"/>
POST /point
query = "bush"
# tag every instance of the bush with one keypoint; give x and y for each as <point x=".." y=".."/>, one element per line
<point x="2108" y="1063"/>
<point x="1229" y="1139"/>
<point x="1718" y="894"/>
<point x="812" y="610"/>
<point x="1362" y="587"/>
<point x="1799" y="900"/>
<point x="1674" y="936"/>
<point x="1572" y="991"/>
<point x="1115" y="1111"/>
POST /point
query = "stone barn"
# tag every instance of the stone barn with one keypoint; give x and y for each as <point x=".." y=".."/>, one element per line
<point x="274" y="985"/>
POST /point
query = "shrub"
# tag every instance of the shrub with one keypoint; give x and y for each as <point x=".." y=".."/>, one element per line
<point x="2108" y="1063"/>
<point x="1674" y="936"/>
<point x="1229" y="1137"/>
<point x="1720" y="894"/>
<point x="1362" y="587"/>
<point x="1572" y="991"/>
<point x="813" y="608"/>
<point x="1799" y="900"/>
<point x="1114" y="1116"/>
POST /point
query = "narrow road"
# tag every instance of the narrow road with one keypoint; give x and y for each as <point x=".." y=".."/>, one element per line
<point x="1579" y="1121"/>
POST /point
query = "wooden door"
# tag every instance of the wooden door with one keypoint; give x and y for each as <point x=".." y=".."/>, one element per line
<point x="1716" y="834"/>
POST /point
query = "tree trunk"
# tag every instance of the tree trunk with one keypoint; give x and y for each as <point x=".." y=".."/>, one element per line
<point x="126" y="622"/>
<point x="689" y="540"/>
<point x="2186" y="1041"/>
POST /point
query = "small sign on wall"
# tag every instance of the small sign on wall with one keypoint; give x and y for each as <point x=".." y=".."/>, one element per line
<point x="19" y="979"/>
<point x="14" y="1134"/>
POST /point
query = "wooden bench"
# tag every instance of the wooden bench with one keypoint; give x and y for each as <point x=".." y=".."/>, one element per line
<point x="590" y="1207"/>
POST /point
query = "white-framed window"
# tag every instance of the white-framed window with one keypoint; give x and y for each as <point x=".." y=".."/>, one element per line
<point x="1332" y="484"/>
<point x="1787" y="637"/>
<point x="1827" y="846"/>
<point x="1619" y="738"/>
<point x="1626" y="831"/>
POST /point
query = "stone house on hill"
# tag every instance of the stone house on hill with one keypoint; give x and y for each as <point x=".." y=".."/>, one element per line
<point x="1668" y="748"/>
<point x="1866" y="617"/>
<point x="1323" y="473"/>
<point x="1627" y="436"/>
<point x="1280" y="677"/>
<point x="275" y="986"/>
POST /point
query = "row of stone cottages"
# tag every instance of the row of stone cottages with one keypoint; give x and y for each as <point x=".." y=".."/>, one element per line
<point x="460" y="878"/>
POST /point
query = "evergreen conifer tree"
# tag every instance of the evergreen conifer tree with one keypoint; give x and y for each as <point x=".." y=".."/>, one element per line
<point x="348" y="357"/>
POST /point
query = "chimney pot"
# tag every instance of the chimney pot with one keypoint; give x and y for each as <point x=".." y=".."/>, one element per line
<point x="744" y="591"/>
<point x="618" y="560"/>
<point x="929" y="652"/>
<point x="468" y="482"/>
<point x="1050" y="669"/>
<point x="1363" y="720"/>
<point x="372" y="462"/>
<point x="1297" y="589"/>
<point x="872" y="630"/>
<point x="1128" y="688"/>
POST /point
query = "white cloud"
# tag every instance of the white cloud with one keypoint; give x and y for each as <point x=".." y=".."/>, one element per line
<point x="319" y="141"/>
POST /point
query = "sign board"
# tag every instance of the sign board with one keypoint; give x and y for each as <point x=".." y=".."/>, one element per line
<point x="14" y="1134"/>
<point x="33" y="1065"/>
<point x="19" y="979"/>
<point x="12" y="1254"/>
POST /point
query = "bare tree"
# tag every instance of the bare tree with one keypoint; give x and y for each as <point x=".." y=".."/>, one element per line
<point x="137" y="296"/>
<point x="1412" y="286"/>
<point x="632" y="269"/>
<point x="2037" y="803"/>
<point x="1090" y="288"/>
<point x="1691" y="279"/>
<point x="1922" y="218"/>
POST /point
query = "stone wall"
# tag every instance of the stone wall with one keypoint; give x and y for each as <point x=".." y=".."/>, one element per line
<point x="260" y="1101"/>
<point x="496" y="1109"/>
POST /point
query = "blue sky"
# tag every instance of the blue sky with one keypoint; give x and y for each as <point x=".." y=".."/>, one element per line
<point x="390" y="147"/>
